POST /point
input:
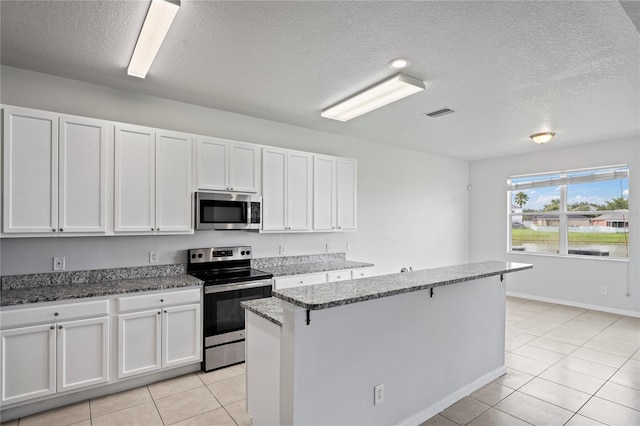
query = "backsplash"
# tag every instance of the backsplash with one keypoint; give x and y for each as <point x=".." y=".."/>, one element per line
<point x="12" y="282"/>
<point x="270" y="262"/>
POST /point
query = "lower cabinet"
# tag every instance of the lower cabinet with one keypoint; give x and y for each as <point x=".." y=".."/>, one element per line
<point x="161" y="337"/>
<point x="321" y="277"/>
<point x="44" y="359"/>
<point x="52" y="348"/>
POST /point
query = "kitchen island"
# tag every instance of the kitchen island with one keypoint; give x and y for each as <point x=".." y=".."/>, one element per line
<point x="429" y="337"/>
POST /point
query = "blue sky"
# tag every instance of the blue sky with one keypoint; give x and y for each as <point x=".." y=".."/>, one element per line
<point x="594" y="192"/>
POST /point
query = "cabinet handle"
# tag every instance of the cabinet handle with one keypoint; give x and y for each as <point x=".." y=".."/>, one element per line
<point x="52" y="328"/>
<point x="231" y="189"/>
<point x="55" y="314"/>
<point x="165" y="311"/>
<point x="157" y="229"/>
<point x="158" y="312"/>
<point x="54" y="229"/>
<point x="152" y="229"/>
<point x="59" y="327"/>
<point x="301" y="282"/>
<point x="162" y="300"/>
<point x="61" y="229"/>
<point x="339" y="276"/>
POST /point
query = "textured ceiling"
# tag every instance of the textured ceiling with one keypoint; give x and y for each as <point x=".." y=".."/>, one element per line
<point x="509" y="69"/>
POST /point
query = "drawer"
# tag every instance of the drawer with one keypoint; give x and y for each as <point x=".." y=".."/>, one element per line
<point x="53" y="313"/>
<point x="300" y="280"/>
<point x="361" y="273"/>
<point x="157" y="300"/>
<point x="338" y="275"/>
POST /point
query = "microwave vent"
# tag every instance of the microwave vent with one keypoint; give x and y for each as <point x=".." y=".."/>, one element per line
<point x="439" y="113"/>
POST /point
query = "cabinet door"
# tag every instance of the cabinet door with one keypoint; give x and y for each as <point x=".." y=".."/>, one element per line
<point x="244" y="167"/>
<point x="274" y="203"/>
<point x="30" y="151"/>
<point x="139" y="338"/>
<point x="299" y="175"/>
<point x="28" y="363"/>
<point x="347" y="194"/>
<point x="134" y="179"/>
<point x="181" y="338"/>
<point x="299" y="280"/>
<point x="212" y="164"/>
<point x="173" y="182"/>
<point x="82" y="353"/>
<point x="82" y="175"/>
<point x="361" y="273"/>
<point x="324" y="193"/>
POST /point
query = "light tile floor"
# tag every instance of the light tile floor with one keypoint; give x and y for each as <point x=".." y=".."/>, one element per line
<point x="566" y="366"/>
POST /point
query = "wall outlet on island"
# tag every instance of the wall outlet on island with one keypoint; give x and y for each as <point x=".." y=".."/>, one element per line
<point x="603" y="290"/>
<point x="328" y="248"/>
<point x="153" y="257"/>
<point x="378" y="394"/>
<point x="281" y="249"/>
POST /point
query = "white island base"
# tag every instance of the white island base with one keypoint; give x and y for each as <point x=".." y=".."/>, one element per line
<point x="428" y="352"/>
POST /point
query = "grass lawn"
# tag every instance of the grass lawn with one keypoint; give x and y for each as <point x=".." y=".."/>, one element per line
<point x="529" y="235"/>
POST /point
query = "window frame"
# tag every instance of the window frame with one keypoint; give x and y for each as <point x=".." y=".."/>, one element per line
<point x="561" y="179"/>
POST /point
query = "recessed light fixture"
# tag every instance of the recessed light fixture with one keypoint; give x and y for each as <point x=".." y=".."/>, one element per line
<point x="387" y="91"/>
<point x="154" y="30"/>
<point x="399" y="63"/>
<point x="543" y="137"/>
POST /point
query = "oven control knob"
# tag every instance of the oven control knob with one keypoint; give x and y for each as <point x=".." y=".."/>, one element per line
<point x="242" y="252"/>
<point x="199" y="255"/>
<point x="193" y="256"/>
<point x="248" y="251"/>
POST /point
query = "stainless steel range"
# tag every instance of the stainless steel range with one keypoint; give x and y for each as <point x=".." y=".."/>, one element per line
<point x="228" y="280"/>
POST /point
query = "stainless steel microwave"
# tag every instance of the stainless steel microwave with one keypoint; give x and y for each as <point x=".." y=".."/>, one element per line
<point x="227" y="211"/>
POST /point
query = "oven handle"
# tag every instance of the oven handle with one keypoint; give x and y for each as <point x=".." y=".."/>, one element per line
<point x="240" y="286"/>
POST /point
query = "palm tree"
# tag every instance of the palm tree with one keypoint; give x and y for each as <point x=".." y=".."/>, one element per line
<point x="521" y="199"/>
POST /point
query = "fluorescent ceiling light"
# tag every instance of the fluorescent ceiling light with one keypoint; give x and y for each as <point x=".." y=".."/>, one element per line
<point x="154" y="30"/>
<point x="395" y="88"/>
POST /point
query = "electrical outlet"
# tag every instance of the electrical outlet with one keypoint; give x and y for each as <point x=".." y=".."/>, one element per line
<point x="58" y="263"/>
<point x="328" y="248"/>
<point x="378" y="394"/>
<point x="603" y="290"/>
<point x="153" y="257"/>
<point x="281" y="251"/>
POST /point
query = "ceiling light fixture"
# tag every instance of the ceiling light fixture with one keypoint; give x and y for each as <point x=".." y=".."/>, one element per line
<point x="399" y="63"/>
<point x="541" y="138"/>
<point x="154" y="30"/>
<point x="390" y="90"/>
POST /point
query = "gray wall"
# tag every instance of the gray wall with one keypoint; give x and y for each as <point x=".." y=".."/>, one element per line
<point x="412" y="206"/>
<point x="573" y="280"/>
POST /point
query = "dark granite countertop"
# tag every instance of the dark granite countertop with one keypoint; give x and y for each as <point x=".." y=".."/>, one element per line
<point x="313" y="267"/>
<point x="329" y="295"/>
<point x="48" y="293"/>
<point x="268" y="308"/>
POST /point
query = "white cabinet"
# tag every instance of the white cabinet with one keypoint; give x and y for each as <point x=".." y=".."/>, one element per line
<point x="361" y="273"/>
<point x="165" y="331"/>
<point x="60" y="355"/>
<point x="152" y="181"/>
<point x="286" y="190"/>
<point x="223" y="165"/>
<point x="54" y="173"/>
<point x="338" y="275"/>
<point x="299" y="280"/>
<point x="334" y="193"/>
<point x="347" y="193"/>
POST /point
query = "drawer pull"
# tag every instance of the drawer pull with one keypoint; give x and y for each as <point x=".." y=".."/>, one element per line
<point x="55" y="314"/>
<point x="59" y="327"/>
<point x="159" y="312"/>
<point x="52" y="328"/>
<point x="162" y="300"/>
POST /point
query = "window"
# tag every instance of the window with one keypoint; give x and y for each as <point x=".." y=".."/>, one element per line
<point x="571" y="213"/>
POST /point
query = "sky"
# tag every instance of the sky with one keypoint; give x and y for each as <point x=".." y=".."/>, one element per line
<point x="594" y="192"/>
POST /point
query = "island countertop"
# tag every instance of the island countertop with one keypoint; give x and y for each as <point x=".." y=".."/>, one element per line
<point x="329" y="295"/>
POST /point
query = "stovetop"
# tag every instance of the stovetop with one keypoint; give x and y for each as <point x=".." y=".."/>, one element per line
<point x="231" y="275"/>
<point x="223" y="265"/>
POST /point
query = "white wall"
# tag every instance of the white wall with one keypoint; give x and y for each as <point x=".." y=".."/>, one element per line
<point x="572" y="280"/>
<point x="409" y="214"/>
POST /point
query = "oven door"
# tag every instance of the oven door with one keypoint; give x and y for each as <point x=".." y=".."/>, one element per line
<point x="222" y="211"/>
<point x="223" y="315"/>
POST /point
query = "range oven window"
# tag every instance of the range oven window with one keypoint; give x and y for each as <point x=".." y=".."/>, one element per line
<point x="216" y="211"/>
<point x="223" y="312"/>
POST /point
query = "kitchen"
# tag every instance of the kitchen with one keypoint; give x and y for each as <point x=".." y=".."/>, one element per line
<point x="414" y="205"/>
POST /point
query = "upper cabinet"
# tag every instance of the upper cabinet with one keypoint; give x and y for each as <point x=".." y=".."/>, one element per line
<point x="286" y="190"/>
<point x="54" y="173"/>
<point x="152" y="181"/>
<point x="334" y="193"/>
<point x="223" y="165"/>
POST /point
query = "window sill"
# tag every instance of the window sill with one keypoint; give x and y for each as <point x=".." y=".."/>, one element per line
<point x="569" y="256"/>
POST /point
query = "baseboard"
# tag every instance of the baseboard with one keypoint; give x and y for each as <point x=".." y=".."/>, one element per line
<point x="451" y="399"/>
<point x="576" y="304"/>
